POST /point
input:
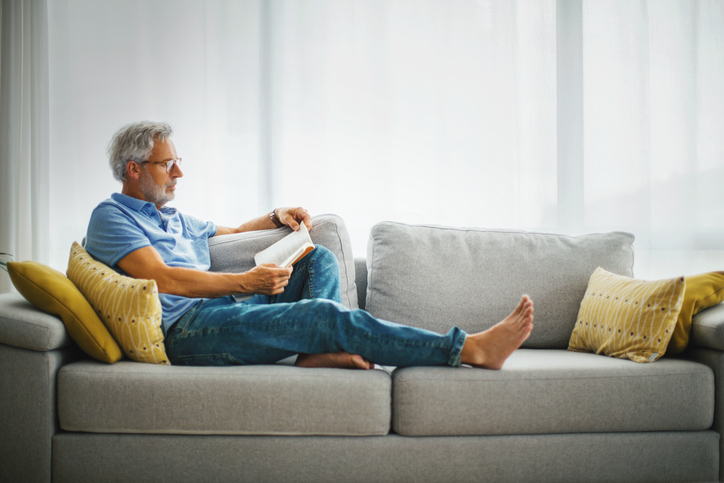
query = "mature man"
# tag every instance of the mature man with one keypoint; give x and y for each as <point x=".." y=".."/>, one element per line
<point x="293" y="311"/>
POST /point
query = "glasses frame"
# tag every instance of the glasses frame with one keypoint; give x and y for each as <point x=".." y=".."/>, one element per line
<point x="169" y="164"/>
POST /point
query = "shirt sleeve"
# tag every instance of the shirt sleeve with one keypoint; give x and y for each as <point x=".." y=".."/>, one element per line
<point x="112" y="234"/>
<point x="199" y="228"/>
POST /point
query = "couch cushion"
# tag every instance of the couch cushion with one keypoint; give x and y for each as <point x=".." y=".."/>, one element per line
<point x="438" y="277"/>
<point x="702" y="291"/>
<point x="25" y="326"/>
<point x="553" y="391"/>
<point x="129" y="307"/>
<point x="627" y="318"/>
<point x="235" y="253"/>
<point x="52" y="292"/>
<point x="128" y="397"/>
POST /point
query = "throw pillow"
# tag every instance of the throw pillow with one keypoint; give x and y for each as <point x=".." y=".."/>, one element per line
<point x="52" y="292"/>
<point x="129" y="307"/>
<point x="702" y="291"/>
<point x="626" y="318"/>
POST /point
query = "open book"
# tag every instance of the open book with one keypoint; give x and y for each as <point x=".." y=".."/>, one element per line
<point x="287" y="251"/>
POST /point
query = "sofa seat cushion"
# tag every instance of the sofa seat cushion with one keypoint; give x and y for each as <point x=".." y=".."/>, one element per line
<point x="553" y="391"/>
<point x="130" y="397"/>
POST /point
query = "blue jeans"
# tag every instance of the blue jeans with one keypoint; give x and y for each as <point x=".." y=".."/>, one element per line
<point x="307" y="318"/>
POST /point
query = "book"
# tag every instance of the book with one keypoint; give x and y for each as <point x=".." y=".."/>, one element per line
<point x="287" y="251"/>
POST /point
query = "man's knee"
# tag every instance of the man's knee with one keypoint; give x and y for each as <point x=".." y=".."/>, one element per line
<point x="323" y="256"/>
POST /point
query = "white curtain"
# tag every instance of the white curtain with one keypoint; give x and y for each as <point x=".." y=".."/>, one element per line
<point x="24" y="132"/>
<point x="569" y="116"/>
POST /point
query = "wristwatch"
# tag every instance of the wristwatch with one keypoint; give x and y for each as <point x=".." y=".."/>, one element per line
<point x="274" y="219"/>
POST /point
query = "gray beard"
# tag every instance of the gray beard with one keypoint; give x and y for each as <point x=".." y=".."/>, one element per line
<point x="154" y="193"/>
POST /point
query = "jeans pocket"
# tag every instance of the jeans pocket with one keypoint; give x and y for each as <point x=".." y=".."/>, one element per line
<point x="223" y="359"/>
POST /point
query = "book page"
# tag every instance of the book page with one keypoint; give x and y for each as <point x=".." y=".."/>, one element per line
<point x="288" y="250"/>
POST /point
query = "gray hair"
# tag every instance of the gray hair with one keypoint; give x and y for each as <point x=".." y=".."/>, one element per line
<point x="134" y="142"/>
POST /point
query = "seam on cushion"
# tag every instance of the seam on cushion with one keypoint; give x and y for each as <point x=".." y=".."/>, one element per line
<point x="104" y="370"/>
<point x="558" y="378"/>
<point x="485" y="230"/>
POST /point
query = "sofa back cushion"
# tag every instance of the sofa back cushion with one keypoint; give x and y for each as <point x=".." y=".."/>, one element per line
<point x="235" y="253"/>
<point x="438" y="277"/>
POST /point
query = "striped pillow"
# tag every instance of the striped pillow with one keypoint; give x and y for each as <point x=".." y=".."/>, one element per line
<point x="627" y="318"/>
<point x="128" y="307"/>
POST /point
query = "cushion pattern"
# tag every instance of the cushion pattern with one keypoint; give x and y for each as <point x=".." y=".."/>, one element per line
<point x="627" y="318"/>
<point x="52" y="292"/>
<point x="438" y="277"/>
<point x="129" y="307"/>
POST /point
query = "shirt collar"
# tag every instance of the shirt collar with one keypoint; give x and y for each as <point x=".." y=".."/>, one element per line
<point x="140" y="205"/>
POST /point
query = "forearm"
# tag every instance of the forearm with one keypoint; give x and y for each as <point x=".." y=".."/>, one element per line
<point x="261" y="223"/>
<point x="199" y="284"/>
<point x="147" y="263"/>
<point x="290" y="217"/>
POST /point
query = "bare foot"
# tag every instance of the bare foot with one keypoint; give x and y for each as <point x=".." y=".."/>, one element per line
<point x="342" y="360"/>
<point x="490" y="349"/>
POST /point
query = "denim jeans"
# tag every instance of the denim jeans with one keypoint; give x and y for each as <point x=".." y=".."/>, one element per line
<point x="307" y="318"/>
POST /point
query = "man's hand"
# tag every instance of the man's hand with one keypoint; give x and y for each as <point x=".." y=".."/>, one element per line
<point x="292" y="217"/>
<point x="267" y="279"/>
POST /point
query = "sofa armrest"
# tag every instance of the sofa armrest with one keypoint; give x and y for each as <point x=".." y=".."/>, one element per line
<point x="707" y="328"/>
<point x="24" y="326"/>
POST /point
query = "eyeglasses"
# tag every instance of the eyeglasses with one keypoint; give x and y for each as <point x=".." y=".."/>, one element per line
<point x="169" y="164"/>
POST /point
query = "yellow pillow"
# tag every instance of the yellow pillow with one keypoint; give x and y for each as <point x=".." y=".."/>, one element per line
<point x="129" y="307"/>
<point x="702" y="291"/>
<point x="52" y="292"/>
<point x="627" y="318"/>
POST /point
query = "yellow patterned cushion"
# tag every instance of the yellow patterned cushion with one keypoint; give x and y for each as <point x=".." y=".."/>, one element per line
<point x="702" y="291"/>
<point x="52" y="292"/>
<point x="627" y="318"/>
<point x="129" y="307"/>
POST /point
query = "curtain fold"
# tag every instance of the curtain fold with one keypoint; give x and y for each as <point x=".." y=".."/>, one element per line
<point x="568" y="116"/>
<point x="24" y="132"/>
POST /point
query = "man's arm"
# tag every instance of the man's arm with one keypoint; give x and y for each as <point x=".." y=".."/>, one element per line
<point x="147" y="263"/>
<point x="290" y="217"/>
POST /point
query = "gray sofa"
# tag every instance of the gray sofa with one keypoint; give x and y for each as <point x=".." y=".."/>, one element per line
<point x="548" y="415"/>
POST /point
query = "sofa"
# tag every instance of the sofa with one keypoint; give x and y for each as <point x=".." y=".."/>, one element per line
<point x="550" y="414"/>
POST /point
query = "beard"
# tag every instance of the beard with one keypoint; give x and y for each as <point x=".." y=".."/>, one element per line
<point x="155" y="193"/>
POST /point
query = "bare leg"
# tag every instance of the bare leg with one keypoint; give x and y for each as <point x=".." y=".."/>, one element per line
<point x="342" y="360"/>
<point x="491" y="348"/>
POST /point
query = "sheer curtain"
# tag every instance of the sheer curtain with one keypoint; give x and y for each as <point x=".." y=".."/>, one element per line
<point x="569" y="116"/>
<point x="24" y="162"/>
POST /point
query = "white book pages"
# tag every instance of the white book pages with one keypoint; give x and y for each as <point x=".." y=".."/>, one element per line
<point x="288" y="250"/>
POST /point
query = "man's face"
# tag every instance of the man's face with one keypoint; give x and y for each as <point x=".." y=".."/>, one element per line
<point x="157" y="185"/>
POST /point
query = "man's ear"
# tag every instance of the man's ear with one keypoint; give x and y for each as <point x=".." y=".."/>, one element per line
<point x="133" y="170"/>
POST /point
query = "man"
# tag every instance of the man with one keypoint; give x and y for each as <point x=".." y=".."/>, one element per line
<point x="293" y="311"/>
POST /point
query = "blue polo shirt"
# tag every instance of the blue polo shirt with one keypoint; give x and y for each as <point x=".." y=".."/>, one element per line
<point x="123" y="224"/>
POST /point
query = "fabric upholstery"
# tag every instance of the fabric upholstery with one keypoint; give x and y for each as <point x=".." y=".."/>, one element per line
<point x="28" y="414"/>
<point x="627" y="318"/>
<point x="23" y="325"/>
<point x="702" y="291"/>
<point x="553" y="391"/>
<point x="129" y="307"/>
<point x="276" y="399"/>
<point x="660" y="457"/>
<point x="52" y="292"/>
<point x="438" y="277"/>
<point x="360" y="271"/>
<point x="707" y="328"/>
<point x="235" y="253"/>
